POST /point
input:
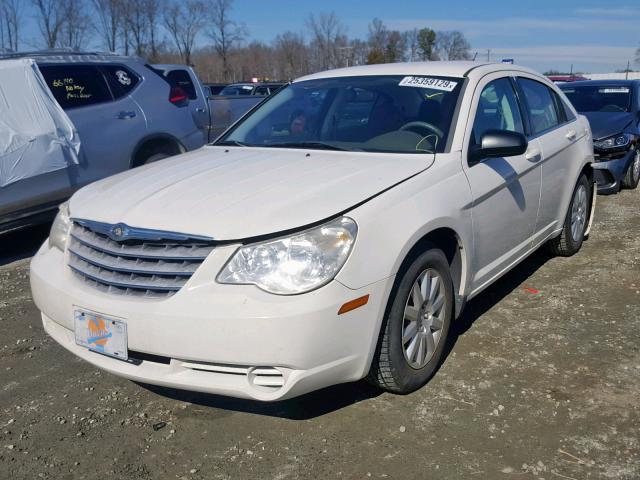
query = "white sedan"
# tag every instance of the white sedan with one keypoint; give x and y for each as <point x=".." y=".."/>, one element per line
<point x="334" y="233"/>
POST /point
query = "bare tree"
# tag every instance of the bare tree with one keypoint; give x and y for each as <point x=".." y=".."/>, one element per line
<point x="325" y="28"/>
<point x="292" y="54"/>
<point x="11" y="11"/>
<point x="183" y="21"/>
<point x="413" y="45"/>
<point x="152" y="11"/>
<point x="452" y="46"/>
<point x="50" y="18"/>
<point x="137" y="25"/>
<point x="110" y="15"/>
<point x="226" y="33"/>
<point x="76" y="26"/>
<point x="638" y="56"/>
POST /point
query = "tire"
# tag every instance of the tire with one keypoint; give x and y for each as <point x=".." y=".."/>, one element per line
<point x="396" y="367"/>
<point x="155" y="157"/>
<point x="632" y="175"/>
<point x="576" y="221"/>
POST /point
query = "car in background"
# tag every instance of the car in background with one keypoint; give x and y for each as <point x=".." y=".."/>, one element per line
<point x="613" y="110"/>
<point x="334" y="233"/>
<point x="126" y="115"/>
<point x="566" y="78"/>
<point x="214" y="88"/>
<point x="263" y="89"/>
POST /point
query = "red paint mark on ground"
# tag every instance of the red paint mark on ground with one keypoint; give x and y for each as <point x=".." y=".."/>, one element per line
<point x="532" y="291"/>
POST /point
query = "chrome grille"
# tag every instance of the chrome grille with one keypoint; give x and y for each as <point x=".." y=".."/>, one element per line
<point x="137" y="262"/>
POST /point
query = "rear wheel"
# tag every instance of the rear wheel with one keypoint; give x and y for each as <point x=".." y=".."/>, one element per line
<point x="414" y="333"/>
<point x="576" y="221"/>
<point x="632" y="176"/>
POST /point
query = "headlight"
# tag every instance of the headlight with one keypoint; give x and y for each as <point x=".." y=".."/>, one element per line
<point x="60" y="228"/>
<point x="619" y="141"/>
<point x="296" y="264"/>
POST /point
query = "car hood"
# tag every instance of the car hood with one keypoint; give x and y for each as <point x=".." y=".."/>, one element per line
<point x="607" y="124"/>
<point x="238" y="193"/>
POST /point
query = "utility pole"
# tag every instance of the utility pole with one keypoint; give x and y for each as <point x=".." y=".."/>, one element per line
<point x="626" y="77"/>
<point x="488" y="55"/>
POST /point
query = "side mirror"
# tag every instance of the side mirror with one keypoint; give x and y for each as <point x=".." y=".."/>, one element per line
<point x="498" y="143"/>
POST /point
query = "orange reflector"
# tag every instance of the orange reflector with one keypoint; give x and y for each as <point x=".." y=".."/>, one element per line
<point x="353" y="304"/>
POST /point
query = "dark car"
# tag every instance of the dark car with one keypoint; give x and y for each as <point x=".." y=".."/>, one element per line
<point x="566" y="78"/>
<point x="613" y="110"/>
<point x="214" y="88"/>
<point x="264" y="89"/>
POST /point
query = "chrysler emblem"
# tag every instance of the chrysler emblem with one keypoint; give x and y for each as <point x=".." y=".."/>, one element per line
<point x="118" y="232"/>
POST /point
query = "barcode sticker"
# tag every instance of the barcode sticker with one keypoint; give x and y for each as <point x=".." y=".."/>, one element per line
<point x="428" y="82"/>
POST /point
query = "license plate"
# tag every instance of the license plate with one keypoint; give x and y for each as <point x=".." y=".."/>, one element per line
<point x="101" y="334"/>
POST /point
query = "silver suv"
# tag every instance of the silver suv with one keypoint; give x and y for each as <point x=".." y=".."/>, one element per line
<point x="129" y="114"/>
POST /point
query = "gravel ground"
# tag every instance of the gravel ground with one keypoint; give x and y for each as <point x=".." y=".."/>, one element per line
<point x="542" y="382"/>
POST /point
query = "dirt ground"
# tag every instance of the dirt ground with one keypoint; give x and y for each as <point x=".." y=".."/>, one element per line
<point x="542" y="382"/>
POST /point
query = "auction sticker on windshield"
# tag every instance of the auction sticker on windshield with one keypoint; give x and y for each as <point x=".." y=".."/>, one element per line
<point x="101" y="334"/>
<point x="428" y="82"/>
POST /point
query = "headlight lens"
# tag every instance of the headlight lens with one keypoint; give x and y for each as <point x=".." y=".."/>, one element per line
<point x="60" y="228"/>
<point x="295" y="264"/>
<point x="618" y="141"/>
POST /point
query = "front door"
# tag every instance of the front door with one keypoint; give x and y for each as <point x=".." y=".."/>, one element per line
<point x="506" y="191"/>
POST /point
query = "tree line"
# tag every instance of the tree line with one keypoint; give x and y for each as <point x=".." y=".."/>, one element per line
<point x="208" y="36"/>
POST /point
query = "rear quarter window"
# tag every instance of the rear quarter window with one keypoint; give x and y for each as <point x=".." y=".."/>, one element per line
<point x="76" y="86"/>
<point x="182" y="79"/>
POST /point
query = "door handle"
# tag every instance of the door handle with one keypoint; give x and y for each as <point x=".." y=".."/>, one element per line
<point x="125" y="115"/>
<point x="571" y="135"/>
<point x="200" y="110"/>
<point x="533" y="155"/>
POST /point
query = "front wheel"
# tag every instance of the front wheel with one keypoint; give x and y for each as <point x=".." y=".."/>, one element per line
<point x="414" y="333"/>
<point x="632" y="176"/>
<point x="576" y="221"/>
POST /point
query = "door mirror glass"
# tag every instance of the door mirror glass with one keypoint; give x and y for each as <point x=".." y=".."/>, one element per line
<point x="498" y="143"/>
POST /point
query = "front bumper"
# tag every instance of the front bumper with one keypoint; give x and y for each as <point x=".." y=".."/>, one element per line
<point x="609" y="173"/>
<point x="219" y="338"/>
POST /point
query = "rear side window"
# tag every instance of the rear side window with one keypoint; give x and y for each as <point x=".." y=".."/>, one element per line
<point x="182" y="79"/>
<point x="541" y="105"/>
<point x="76" y="85"/>
<point x="121" y="79"/>
<point x="497" y="110"/>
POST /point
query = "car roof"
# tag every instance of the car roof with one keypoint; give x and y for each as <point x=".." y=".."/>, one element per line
<point x="440" y="69"/>
<point x="602" y="83"/>
<point x="70" y="56"/>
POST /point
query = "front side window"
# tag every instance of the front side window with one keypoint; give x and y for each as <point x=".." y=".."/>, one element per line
<point x="603" y="98"/>
<point x="542" y="107"/>
<point x="395" y="114"/>
<point x="76" y="85"/>
<point x="497" y="110"/>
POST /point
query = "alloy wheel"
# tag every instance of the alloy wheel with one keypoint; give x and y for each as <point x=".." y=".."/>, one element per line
<point x="579" y="212"/>
<point x="424" y="315"/>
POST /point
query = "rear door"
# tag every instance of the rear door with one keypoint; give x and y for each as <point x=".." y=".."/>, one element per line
<point x="557" y="130"/>
<point x="108" y="121"/>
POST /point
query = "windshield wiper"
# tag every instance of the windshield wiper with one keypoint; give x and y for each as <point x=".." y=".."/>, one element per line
<point x="313" y="145"/>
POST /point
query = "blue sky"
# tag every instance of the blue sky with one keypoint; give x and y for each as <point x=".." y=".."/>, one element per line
<point x="544" y="34"/>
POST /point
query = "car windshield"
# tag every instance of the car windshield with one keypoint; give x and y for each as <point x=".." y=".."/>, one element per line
<point x="396" y="114"/>
<point x="237" y="90"/>
<point x="601" y="98"/>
